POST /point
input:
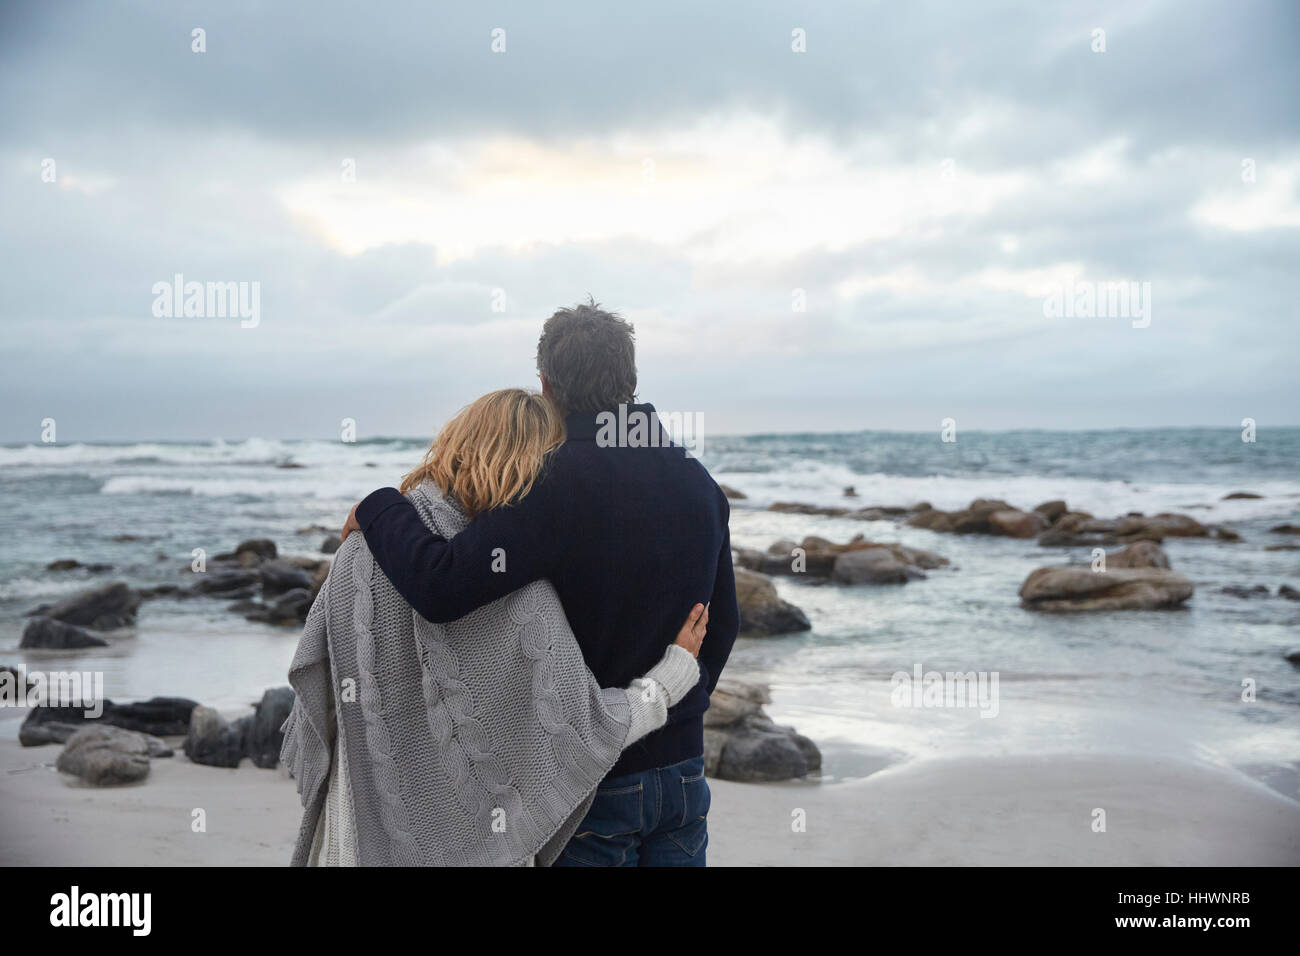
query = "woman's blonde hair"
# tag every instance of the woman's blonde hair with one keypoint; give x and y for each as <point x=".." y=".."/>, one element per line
<point x="490" y="454"/>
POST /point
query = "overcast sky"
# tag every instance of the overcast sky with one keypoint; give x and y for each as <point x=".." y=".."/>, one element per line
<point x="924" y="176"/>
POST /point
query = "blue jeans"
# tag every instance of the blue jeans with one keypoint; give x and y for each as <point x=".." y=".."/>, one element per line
<point x="651" y="818"/>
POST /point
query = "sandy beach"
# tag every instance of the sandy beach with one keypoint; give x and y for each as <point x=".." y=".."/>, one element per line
<point x="941" y="812"/>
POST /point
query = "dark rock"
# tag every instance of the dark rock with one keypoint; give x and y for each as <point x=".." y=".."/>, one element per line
<point x="1285" y="529"/>
<point x="223" y="583"/>
<point x="762" y="611"/>
<point x="102" y="608"/>
<point x="849" y="492"/>
<point x="263" y="737"/>
<point x="1294" y="658"/>
<point x="732" y="493"/>
<point x="1288" y="592"/>
<point x="1241" y="591"/>
<point x="158" y="717"/>
<point x="71" y="564"/>
<point x="331" y="544"/>
<point x="742" y="743"/>
<point x="1224" y="534"/>
<point x="106" y="756"/>
<point x="50" y="732"/>
<point x="264" y="548"/>
<point x="248" y="554"/>
<point x="212" y="740"/>
<point x="1051" y="510"/>
<point x="279" y="576"/>
<point x="1237" y="495"/>
<point x="161" y="590"/>
<point x="49" y="634"/>
<point x="292" y="607"/>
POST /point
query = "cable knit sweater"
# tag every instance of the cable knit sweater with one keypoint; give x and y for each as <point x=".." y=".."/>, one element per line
<point x="648" y="700"/>
<point x="475" y="742"/>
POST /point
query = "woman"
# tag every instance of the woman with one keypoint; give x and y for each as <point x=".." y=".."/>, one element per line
<point x="478" y="742"/>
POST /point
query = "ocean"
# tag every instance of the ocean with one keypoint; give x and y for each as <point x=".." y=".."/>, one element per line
<point x="1164" y="685"/>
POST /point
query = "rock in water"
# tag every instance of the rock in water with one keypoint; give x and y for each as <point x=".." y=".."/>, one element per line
<point x="289" y="608"/>
<point x="762" y="611"/>
<point x="103" y="608"/>
<point x="1051" y="510"/>
<point x="742" y="743"/>
<point x="732" y="493"/>
<point x="1288" y="592"/>
<point x="331" y="544"/>
<point x="1163" y="525"/>
<point x="1241" y="591"/>
<point x="227" y="583"/>
<point x="263" y="548"/>
<point x="872" y="566"/>
<point x="212" y="740"/>
<point x="1017" y="524"/>
<point x="971" y="520"/>
<point x="1079" y="588"/>
<point x="280" y="576"/>
<point x="1139" y="554"/>
<point x="49" y="634"/>
<point x="106" y="756"/>
<point x="816" y="557"/>
<point x="263" y="739"/>
<point x="71" y="564"/>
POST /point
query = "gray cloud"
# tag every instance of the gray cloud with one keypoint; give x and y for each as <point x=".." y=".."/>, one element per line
<point x="178" y="160"/>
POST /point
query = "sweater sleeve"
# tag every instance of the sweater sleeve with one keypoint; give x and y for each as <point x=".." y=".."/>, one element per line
<point x="498" y="552"/>
<point x="666" y="683"/>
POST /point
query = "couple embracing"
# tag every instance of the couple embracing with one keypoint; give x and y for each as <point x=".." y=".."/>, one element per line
<point x="510" y="660"/>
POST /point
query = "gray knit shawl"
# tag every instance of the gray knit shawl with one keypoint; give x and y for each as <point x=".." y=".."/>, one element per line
<point x="474" y="743"/>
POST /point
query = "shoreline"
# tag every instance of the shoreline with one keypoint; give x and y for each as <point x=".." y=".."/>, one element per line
<point x="1035" y="811"/>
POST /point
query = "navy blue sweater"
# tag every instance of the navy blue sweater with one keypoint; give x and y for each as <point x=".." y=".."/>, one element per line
<point x="631" y="538"/>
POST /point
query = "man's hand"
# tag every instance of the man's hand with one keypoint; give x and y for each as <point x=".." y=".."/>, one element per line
<point x="351" y="524"/>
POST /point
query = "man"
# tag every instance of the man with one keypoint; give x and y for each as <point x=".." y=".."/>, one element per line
<point x="631" y="535"/>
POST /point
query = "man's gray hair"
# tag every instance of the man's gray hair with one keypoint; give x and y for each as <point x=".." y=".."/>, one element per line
<point x="588" y="358"/>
